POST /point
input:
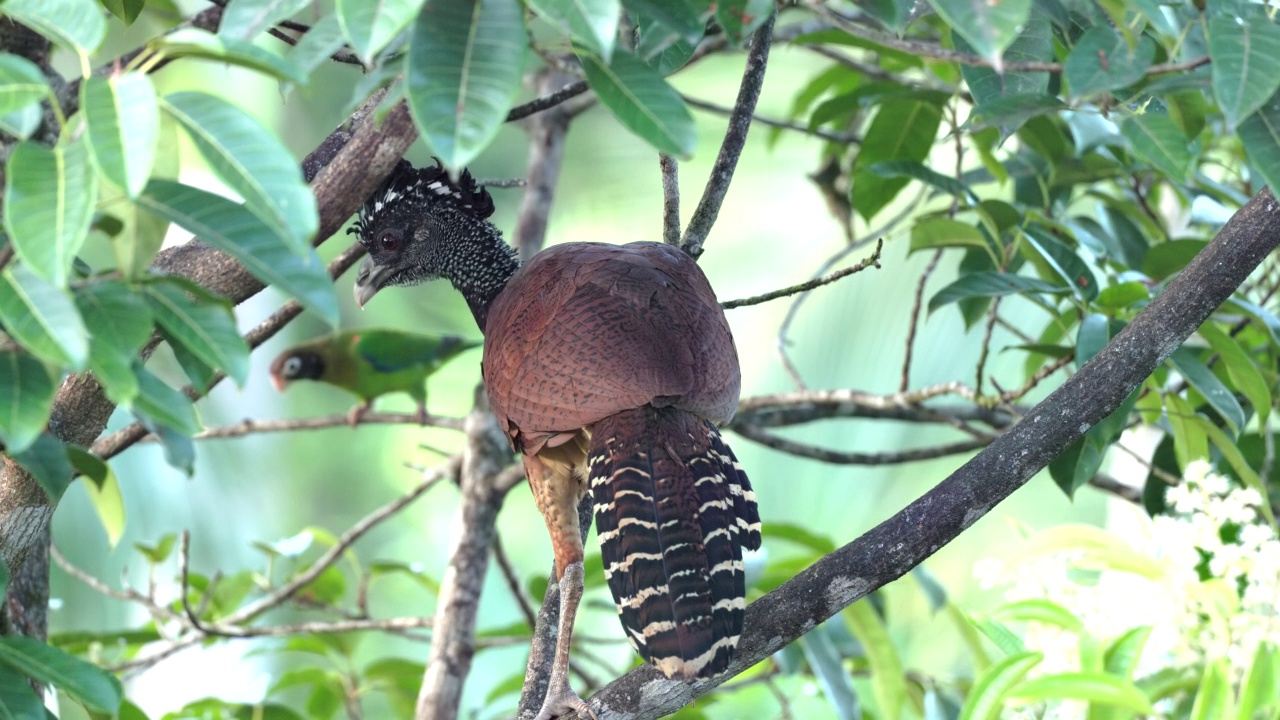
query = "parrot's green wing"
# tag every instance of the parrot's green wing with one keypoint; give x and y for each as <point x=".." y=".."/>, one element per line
<point x="389" y="351"/>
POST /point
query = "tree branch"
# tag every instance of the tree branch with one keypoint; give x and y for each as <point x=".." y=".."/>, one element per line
<point x="892" y="548"/>
<point x="874" y="260"/>
<point x="704" y="216"/>
<point x="670" y="199"/>
<point x="547" y="131"/>
<point x="844" y="457"/>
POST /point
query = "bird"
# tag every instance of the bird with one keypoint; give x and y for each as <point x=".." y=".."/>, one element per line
<point x="370" y="362"/>
<point x="609" y="368"/>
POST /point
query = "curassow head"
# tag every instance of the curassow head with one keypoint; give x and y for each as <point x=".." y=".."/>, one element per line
<point x="421" y="225"/>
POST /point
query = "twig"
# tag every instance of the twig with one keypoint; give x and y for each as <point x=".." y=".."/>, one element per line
<point x="513" y="582"/>
<point x="704" y="216"/>
<point x="845" y="138"/>
<point x="1044" y="372"/>
<point x="873" y="260"/>
<point x="520" y="112"/>
<point x="913" y="323"/>
<point x="1108" y="484"/>
<point x="184" y="562"/>
<point x="842" y="457"/>
<point x="157" y="611"/>
<point x="985" y="347"/>
<point x="670" y="199"/>
<point x="892" y="548"/>
<point x="251" y="427"/>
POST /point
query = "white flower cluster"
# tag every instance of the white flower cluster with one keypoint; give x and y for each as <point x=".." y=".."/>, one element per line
<point x="1205" y="578"/>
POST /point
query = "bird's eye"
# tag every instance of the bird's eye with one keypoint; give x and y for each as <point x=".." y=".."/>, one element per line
<point x="292" y="366"/>
<point x="388" y="241"/>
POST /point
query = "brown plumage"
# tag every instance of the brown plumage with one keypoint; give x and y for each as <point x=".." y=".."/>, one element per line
<point x="609" y="368"/>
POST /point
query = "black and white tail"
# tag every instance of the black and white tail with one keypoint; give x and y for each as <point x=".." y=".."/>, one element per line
<point x="674" y="511"/>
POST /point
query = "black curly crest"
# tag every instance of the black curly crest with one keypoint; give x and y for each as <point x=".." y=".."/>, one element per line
<point x="431" y="186"/>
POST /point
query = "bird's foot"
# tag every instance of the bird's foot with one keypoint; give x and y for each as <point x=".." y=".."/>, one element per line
<point x="562" y="700"/>
<point x="357" y="413"/>
<point x="422" y="413"/>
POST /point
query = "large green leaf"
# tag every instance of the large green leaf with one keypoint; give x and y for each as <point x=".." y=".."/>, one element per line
<point x="1063" y="261"/>
<point x="48" y="204"/>
<point x="244" y="19"/>
<point x="370" y="25"/>
<point x="888" y="680"/>
<point x="989" y="26"/>
<point x="26" y="397"/>
<point x="21" y="83"/>
<point x="1246" y="63"/>
<point x="103" y="490"/>
<point x="828" y="668"/>
<point x="1261" y="690"/>
<point x="1218" y="395"/>
<point x="466" y="59"/>
<point x="194" y="42"/>
<point x="1102" y="60"/>
<point x="126" y="10"/>
<point x="642" y="101"/>
<point x="679" y="16"/>
<point x="903" y="129"/>
<point x="123" y="127"/>
<point x="120" y="323"/>
<point x="252" y="160"/>
<point x="236" y="231"/>
<point x="17" y="700"/>
<point x="42" y="318"/>
<point x="939" y="232"/>
<point x="89" y="684"/>
<point x="1156" y="138"/>
<point x="163" y="406"/>
<point x="1260" y="136"/>
<point x="986" y="697"/>
<point x="46" y="460"/>
<point x="318" y="44"/>
<point x="1242" y="369"/>
<point x="1033" y="44"/>
<point x="207" y="331"/>
<point x="1096" y="688"/>
<point x="740" y="18"/>
<point x="991" y="284"/>
<point x="594" y="23"/>
<point x="1213" y="699"/>
<point x="77" y="25"/>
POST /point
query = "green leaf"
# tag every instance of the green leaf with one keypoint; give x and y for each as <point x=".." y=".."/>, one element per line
<point x="740" y="18"/>
<point x="1122" y="656"/>
<point x="48" y="203"/>
<point x="1098" y="688"/>
<point x="1219" y="396"/>
<point x="1213" y="700"/>
<point x="1241" y="369"/>
<point x="1158" y="140"/>
<point x="1235" y="458"/>
<point x="251" y="160"/>
<point x="104" y="491"/>
<point x="23" y="123"/>
<point x="1260" y="136"/>
<point x="1035" y="43"/>
<point x="1169" y="258"/>
<point x="1063" y="261"/>
<point x="159" y="552"/>
<point x="371" y="26"/>
<point x="238" y="232"/>
<point x="74" y="24"/>
<point x="1010" y="111"/>
<point x="800" y="536"/>
<point x="46" y="460"/>
<point x="205" y="330"/>
<point x="21" y="83"/>
<point x="87" y="683"/>
<point x="1190" y="442"/>
<point x="1038" y="610"/>
<point x="43" y="318"/>
<point x="17" y="699"/>
<point x="888" y="680"/>
<point x="194" y="42"/>
<point x="244" y="19"/>
<point x="121" y="324"/>
<point x="903" y="129"/>
<point x="1003" y="638"/>
<point x="1260" y="691"/>
<point x="925" y="174"/>
<point x="991" y="284"/>
<point x="679" y="16"/>
<point x="1123" y="295"/>
<point x="1102" y="60"/>
<point x="986" y="697"/>
<point x="123" y="127"/>
<point x="939" y="232"/>
<point x="642" y="101"/>
<point x="989" y="26"/>
<point x="594" y="23"/>
<point x="126" y="10"/>
<point x="318" y="44"/>
<point x="1246" y="63"/>
<point x="466" y="59"/>
<point x="162" y="405"/>
<point x="829" y="670"/>
<point x="26" y="398"/>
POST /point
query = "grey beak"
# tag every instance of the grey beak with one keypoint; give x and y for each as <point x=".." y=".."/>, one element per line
<point x="369" y="280"/>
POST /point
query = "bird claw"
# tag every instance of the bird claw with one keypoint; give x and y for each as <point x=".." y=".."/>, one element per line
<point x="356" y="414"/>
<point x="561" y="702"/>
<point x="422" y="414"/>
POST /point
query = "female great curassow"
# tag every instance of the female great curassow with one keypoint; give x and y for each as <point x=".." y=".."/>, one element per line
<point x="608" y="367"/>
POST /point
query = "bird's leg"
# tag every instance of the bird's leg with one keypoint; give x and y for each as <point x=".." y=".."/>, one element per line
<point x="556" y="491"/>
<point x="357" y="412"/>
<point x="422" y="412"/>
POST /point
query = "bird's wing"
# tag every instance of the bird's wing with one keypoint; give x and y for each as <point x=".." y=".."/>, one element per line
<point x="389" y="351"/>
<point x="586" y="330"/>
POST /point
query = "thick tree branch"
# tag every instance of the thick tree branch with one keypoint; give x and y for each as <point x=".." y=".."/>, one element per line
<point x="704" y="216"/>
<point x="547" y="131"/>
<point x="453" y="644"/>
<point x="903" y="541"/>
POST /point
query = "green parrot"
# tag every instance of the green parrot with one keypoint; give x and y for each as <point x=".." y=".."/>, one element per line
<point x="370" y="363"/>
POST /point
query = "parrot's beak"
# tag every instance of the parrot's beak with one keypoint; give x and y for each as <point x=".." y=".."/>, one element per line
<point x="369" y="280"/>
<point x="279" y="382"/>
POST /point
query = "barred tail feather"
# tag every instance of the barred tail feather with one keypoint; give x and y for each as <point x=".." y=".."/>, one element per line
<point x="673" y="510"/>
